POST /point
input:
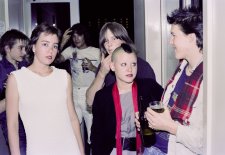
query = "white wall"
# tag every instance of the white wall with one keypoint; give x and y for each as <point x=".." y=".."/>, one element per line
<point x="139" y="27"/>
<point x="214" y="75"/>
<point x="157" y="33"/>
<point x="4" y="23"/>
<point x="15" y="11"/>
<point x="153" y="36"/>
<point x="169" y="62"/>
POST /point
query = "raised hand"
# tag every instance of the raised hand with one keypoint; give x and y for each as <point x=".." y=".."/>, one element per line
<point x="66" y="36"/>
<point x="105" y="64"/>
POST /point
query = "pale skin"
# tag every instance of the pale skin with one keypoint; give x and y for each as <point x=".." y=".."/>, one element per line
<point x="110" y="45"/>
<point x="185" y="48"/>
<point x="2" y="105"/>
<point x="45" y="51"/>
<point x="125" y="67"/>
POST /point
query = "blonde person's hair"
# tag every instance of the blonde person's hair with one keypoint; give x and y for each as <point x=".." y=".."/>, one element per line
<point x="123" y="48"/>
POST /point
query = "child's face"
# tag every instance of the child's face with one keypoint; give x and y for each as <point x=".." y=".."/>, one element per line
<point x="125" y="67"/>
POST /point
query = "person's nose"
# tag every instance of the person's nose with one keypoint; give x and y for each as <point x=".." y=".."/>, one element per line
<point x="129" y="68"/>
<point x="110" y="43"/>
<point x="23" y="51"/>
<point x="171" y="40"/>
<point x="52" y="49"/>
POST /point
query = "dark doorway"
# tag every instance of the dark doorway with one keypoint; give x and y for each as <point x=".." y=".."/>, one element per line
<point x="57" y="14"/>
<point x="95" y="13"/>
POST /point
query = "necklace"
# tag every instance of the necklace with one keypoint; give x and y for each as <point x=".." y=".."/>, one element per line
<point x="191" y="69"/>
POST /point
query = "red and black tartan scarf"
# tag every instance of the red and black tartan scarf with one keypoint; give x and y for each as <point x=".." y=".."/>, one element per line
<point x="118" y="109"/>
<point x="182" y="107"/>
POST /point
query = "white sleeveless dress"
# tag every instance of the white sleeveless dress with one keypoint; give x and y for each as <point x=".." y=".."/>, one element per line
<point x="43" y="109"/>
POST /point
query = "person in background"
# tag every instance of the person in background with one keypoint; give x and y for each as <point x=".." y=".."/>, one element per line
<point x="42" y="94"/>
<point x="181" y="124"/>
<point x="12" y="48"/>
<point x="113" y="130"/>
<point x="84" y="60"/>
<point x="111" y="36"/>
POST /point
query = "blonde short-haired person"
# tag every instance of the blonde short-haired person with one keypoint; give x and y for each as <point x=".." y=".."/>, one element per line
<point x="113" y="130"/>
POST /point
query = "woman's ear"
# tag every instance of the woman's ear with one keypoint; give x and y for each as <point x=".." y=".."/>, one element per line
<point x="112" y="66"/>
<point x="192" y="37"/>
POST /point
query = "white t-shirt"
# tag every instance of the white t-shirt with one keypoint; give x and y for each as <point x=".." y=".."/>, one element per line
<point x="81" y="78"/>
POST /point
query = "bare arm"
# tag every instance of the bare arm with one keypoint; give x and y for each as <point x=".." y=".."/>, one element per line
<point x="98" y="82"/>
<point x="73" y="116"/>
<point x="2" y="105"/>
<point x="12" y="110"/>
<point x="65" y="38"/>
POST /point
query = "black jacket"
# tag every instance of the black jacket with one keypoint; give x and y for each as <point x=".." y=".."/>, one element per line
<point x="103" y="129"/>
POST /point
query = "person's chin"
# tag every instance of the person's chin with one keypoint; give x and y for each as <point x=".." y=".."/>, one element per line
<point x="19" y="60"/>
<point x="130" y="80"/>
<point x="178" y="57"/>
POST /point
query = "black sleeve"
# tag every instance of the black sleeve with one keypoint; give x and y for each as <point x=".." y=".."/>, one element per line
<point x="96" y="139"/>
<point x="157" y="91"/>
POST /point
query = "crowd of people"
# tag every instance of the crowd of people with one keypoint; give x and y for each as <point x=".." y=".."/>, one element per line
<point x="47" y="107"/>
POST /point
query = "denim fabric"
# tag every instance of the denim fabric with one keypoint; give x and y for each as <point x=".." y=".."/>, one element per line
<point x="153" y="151"/>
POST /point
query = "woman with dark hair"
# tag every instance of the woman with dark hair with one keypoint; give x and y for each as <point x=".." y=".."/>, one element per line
<point x="111" y="36"/>
<point x="179" y="129"/>
<point x="42" y="94"/>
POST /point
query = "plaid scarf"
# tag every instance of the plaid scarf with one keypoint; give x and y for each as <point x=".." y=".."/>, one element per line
<point x="182" y="107"/>
<point x="118" y="109"/>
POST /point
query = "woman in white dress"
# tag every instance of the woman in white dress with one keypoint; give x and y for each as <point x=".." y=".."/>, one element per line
<point x="42" y="94"/>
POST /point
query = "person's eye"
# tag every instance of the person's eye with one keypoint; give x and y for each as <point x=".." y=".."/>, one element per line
<point x="106" y="42"/>
<point x="123" y="64"/>
<point x="134" y="64"/>
<point x="45" y="44"/>
<point x="114" y="38"/>
<point x="55" y="46"/>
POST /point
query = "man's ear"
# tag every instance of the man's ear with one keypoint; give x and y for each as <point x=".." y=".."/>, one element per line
<point x="112" y="66"/>
<point x="6" y="48"/>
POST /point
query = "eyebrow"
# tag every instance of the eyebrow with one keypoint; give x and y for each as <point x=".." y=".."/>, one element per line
<point x="49" y="41"/>
<point x="45" y="41"/>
